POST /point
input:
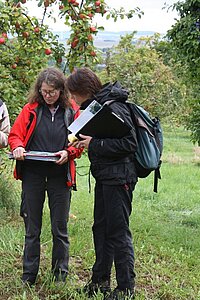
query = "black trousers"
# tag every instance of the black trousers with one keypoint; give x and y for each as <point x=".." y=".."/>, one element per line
<point x="37" y="179"/>
<point x="112" y="236"/>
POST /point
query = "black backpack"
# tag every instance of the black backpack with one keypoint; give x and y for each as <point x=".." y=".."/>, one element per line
<point x="150" y="143"/>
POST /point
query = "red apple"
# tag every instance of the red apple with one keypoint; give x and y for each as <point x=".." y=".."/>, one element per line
<point x="25" y="34"/>
<point x="14" y="66"/>
<point x="47" y="51"/>
<point x="97" y="3"/>
<point x="82" y="16"/>
<point x="90" y="15"/>
<point x="4" y="34"/>
<point x="93" y="53"/>
<point x="93" y="29"/>
<point x="2" y="41"/>
<point x="74" y="43"/>
<point x="36" y="29"/>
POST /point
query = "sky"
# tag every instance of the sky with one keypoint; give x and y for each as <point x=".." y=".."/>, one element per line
<point x="155" y="18"/>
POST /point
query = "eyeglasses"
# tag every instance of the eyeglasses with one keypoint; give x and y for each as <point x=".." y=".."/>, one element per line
<point x="50" y="93"/>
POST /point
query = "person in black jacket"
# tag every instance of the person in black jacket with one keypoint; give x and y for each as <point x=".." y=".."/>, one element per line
<point x="112" y="166"/>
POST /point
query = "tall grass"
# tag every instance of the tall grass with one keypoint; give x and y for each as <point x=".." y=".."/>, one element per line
<point x="165" y="227"/>
<point x="9" y="191"/>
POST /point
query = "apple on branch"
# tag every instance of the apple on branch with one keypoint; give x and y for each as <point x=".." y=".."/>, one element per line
<point x="4" y="34"/>
<point x="74" y="43"/>
<point x="47" y="51"/>
<point x="93" y="53"/>
<point x="2" y="40"/>
<point x="25" y="34"/>
<point x="93" y="29"/>
<point x="36" y="29"/>
<point x="97" y="3"/>
<point x="14" y="66"/>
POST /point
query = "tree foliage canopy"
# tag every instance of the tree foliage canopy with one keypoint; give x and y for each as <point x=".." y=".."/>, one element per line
<point x="27" y="45"/>
<point x="141" y="70"/>
<point x="185" y="40"/>
<point x="185" y="34"/>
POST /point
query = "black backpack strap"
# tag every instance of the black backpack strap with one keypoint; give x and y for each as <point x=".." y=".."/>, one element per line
<point x="157" y="176"/>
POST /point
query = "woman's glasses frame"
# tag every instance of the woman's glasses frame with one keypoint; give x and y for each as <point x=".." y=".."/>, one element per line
<point x="52" y="93"/>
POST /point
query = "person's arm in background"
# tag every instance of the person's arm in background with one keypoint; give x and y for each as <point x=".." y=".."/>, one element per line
<point x="4" y="126"/>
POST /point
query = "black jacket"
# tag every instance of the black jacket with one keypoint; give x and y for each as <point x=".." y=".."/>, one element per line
<point x="112" y="160"/>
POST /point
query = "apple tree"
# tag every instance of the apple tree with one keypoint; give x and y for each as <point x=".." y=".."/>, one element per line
<point x="185" y="40"/>
<point x="80" y="17"/>
<point x="140" y="69"/>
<point x="26" y="46"/>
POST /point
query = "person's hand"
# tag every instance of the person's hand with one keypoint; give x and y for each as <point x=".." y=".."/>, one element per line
<point x="73" y="144"/>
<point x="19" y="153"/>
<point x="63" y="157"/>
<point x="84" y="142"/>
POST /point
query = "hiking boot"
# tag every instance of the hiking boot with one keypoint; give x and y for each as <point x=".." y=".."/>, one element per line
<point x="27" y="283"/>
<point x="28" y="280"/>
<point x="91" y="288"/>
<point x="60" y="277"/>
<point x="118" y="294"/>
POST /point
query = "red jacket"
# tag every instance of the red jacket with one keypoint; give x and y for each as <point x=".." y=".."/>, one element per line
<point x="22" y="131"/>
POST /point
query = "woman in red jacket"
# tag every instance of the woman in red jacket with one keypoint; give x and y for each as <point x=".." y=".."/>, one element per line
<point x="42" y="126"/>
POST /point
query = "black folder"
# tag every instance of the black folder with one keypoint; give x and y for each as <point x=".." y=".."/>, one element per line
<point x="99" y="121"/>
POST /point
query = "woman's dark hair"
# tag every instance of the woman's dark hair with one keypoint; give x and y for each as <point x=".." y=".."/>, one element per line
<point x="84" y="82"/>
<point x="55" y="78"/>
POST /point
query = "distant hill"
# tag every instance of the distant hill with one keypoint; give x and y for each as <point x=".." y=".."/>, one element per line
<point x="104" y="39"/>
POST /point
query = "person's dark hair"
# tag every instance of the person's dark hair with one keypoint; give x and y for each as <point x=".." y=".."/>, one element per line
<point x="55" y="78"/>
<point x="84" y="82"/>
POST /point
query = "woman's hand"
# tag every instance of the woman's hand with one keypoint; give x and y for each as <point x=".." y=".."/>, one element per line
<point x="84" y="142"/>
<point x="63" y="157"/>
<point x="19" y="153"/>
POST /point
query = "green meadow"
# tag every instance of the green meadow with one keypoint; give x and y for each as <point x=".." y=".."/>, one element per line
<point x="165" y="228"/>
